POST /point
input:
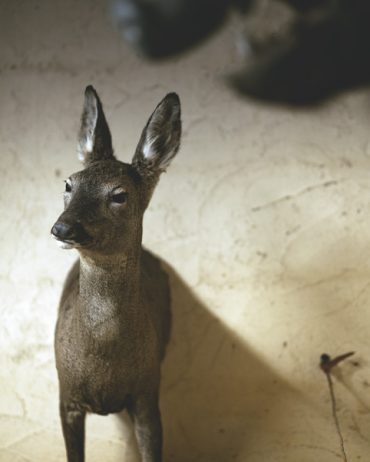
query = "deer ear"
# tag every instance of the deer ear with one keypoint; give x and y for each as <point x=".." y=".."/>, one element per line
<point x="94" y="139"/>
<point x="160" y="139"/>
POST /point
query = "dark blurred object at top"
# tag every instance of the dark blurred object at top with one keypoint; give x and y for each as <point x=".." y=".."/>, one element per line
<point x="161" y="28"/>
<point x="322" y="52"/>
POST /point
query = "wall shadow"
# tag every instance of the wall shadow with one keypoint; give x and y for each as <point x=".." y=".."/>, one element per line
<point x="219" y="401"/>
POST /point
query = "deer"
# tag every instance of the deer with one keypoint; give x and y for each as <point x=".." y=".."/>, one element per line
<point x="114" y="315"/>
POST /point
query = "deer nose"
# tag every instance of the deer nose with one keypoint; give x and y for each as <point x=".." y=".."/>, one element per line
<point x="62" y="231"/>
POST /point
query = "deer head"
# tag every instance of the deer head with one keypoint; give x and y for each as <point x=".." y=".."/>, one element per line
<point x="104" y="203"/>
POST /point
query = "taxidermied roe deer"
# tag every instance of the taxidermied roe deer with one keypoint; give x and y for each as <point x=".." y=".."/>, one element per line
<point x="114" y="313"/>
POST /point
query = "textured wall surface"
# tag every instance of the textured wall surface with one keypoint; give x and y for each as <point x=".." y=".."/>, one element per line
<point x="263" y="216"/>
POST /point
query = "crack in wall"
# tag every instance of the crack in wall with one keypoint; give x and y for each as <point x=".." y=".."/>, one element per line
<point x="289" y="197"/>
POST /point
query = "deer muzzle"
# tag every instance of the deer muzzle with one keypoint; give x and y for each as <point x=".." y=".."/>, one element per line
<point x="70" y="235"/>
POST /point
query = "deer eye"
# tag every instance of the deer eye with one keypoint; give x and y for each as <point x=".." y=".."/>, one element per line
<point x="68" y="186"/>
<point x="119" y="197"/>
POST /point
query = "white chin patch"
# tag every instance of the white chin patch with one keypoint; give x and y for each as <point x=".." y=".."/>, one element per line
<point x="64" y="245"/>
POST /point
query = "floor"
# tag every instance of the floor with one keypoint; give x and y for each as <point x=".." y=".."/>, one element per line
<point x="263" y="218"/>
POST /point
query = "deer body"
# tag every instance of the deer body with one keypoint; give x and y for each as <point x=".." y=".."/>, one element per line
<point x="114" y="314"/>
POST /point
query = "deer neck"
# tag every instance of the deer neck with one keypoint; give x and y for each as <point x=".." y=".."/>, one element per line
<point x="109" y="286"/>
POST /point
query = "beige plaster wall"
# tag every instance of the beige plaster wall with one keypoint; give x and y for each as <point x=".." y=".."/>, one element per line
<point x="264" y="216"/>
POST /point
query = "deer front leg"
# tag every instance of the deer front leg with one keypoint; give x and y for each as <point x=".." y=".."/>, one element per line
<point x="73" y="425"/>
<point x="148" y="427"/>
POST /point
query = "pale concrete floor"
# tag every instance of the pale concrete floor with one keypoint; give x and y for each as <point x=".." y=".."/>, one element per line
<point x="264" y="216"/>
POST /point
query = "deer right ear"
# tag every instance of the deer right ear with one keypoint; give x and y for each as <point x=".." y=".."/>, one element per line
<point x="160" y="139"/>
<point x="94" y="139"/>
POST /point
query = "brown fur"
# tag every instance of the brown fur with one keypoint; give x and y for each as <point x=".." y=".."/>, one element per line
<point x="114" y="314"/>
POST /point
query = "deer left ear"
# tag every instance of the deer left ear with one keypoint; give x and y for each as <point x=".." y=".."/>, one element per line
<point x="160" y="139"/>
<point x="94" y="139"/>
